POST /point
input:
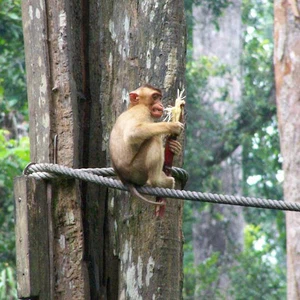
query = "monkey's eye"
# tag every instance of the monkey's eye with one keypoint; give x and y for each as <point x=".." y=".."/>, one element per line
<point x="156" y="96"/>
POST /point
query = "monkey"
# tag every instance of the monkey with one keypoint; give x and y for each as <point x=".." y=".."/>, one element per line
<point x="136" y="144"/>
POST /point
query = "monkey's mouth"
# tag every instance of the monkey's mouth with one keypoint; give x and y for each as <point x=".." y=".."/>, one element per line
<point x="157" y="111"/>
<point x="160" y="110"/>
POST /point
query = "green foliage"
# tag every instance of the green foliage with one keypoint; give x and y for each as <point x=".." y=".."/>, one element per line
<point x="263" y="163"/>
<point x="257" y="270"/>
<point x="205" y="125"/>
<point x="261" y="151"/>
<point x="203" y="276"/>
<point x="216" y="7"/>
<point x="14" y="155"/>
<point x="7" y="283"/>
<point x="256" y="273"/>
<point x="207" y="275"/>
<point x="12" y="71"/>
<point x="258" y="97"/>
<point x="189" y="271"/>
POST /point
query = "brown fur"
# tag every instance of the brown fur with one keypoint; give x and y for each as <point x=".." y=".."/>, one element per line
<point x="136" y="146"/>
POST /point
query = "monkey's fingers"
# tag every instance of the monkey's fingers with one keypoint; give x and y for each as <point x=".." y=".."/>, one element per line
<point x="175" y="128"/>
<point x="181" y="126"/>
<point x="175" y="146"/>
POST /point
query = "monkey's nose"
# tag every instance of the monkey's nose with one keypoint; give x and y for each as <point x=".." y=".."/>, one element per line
<point x="157" y="110"/>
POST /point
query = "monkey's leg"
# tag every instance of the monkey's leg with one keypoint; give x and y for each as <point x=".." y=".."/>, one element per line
<point x="162" y="180"/>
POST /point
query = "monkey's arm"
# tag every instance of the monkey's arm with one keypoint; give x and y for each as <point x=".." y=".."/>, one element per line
<point x="145" y="131"/>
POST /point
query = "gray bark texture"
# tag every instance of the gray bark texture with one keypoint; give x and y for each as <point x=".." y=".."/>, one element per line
<point x="287" y="77"/>
<point x="222" y="234"/>
<point x="82" y="60"/>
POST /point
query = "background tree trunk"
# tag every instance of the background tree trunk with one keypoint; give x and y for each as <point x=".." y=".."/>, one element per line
<point x="287" y="76"/>
<point x="219" y="228"/>
<point x="82" y="60"/>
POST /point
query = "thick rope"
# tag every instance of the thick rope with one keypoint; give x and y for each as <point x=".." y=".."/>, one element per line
<point x="53" y="171"/>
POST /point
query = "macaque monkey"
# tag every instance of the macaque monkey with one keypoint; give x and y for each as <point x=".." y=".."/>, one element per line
<point x="136" y="144"/>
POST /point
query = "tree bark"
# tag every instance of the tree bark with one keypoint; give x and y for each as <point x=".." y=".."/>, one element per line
<point x="60" y="104"/>
<point x="143" y="42"/>
<point x="82" y="60"/>
<point x="224" y="234"/>
<point x="287" y="77"/>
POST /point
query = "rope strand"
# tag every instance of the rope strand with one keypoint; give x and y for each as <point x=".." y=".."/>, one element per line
<point x="99" y="176"/>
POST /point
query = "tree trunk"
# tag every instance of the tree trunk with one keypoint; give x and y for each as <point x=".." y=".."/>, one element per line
<point x="64" y="106"/>
<point x="82" y="60"/>
<point x="287" y="76"/>
<point x="145" y="42"/>
<point x="222" y="234"/>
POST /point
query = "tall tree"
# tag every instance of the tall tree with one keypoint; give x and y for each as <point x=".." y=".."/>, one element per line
<point x="287" y="66"/>
<point x="82" y="60"/>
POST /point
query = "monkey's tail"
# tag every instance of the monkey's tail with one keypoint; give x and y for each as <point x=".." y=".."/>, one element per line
<point x="135" y="193"/>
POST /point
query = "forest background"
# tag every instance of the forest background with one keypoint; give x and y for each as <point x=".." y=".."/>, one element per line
<point x="259" y="268"/>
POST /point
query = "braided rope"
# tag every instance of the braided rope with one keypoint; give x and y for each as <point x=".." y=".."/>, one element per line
<point x="96" y="175"/>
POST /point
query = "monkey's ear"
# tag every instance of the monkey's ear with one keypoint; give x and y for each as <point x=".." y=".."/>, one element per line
<point x="133" y="98"/>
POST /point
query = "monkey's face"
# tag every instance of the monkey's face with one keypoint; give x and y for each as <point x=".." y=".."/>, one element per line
<point x="153" y="100"/>
<point x="150" y="98"/>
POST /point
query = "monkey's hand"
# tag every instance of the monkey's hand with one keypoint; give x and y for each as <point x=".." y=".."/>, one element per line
<point x="175" y="146"/>
<point x="175" y="127"/>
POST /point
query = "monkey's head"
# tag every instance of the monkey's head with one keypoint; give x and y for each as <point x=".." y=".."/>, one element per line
<point x="149" y="96"/>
